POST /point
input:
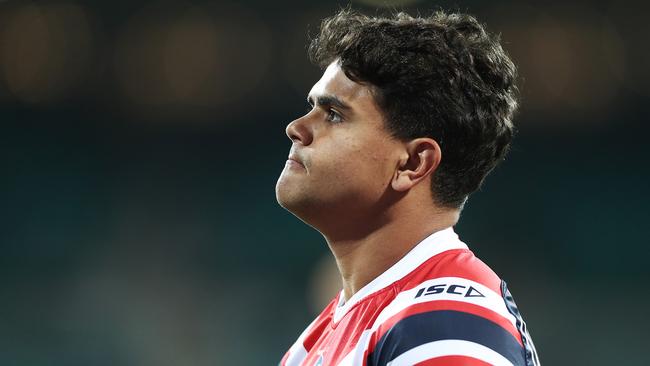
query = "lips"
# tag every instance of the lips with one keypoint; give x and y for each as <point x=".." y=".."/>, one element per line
<point x="294" y="157"/>
<point x="296" y="160"/>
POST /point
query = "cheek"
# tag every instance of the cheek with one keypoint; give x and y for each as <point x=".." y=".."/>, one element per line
<point x="368" y="165"/>
<point x="379" y="170"/>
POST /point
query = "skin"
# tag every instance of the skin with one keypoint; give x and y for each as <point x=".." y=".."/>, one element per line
<point x="365" y="191"/>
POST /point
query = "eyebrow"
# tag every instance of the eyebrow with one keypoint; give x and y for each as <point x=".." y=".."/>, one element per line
<point x="328" y="100"/>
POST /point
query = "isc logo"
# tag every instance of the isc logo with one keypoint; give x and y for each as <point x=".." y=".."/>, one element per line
<point x="451" y="289"/>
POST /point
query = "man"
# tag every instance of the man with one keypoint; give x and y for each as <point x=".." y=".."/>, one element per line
<point x="408" y="118"/>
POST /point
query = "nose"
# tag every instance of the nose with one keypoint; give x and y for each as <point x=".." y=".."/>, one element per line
<point x="298" y="131"/>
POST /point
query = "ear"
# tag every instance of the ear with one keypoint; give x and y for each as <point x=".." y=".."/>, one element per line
<point x="420" y="159"/>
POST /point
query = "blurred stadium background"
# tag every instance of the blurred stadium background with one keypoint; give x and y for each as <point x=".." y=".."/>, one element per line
<point x="141" y="142"/>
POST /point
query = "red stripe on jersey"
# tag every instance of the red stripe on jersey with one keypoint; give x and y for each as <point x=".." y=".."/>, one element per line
<point x="453" y="361"/>
<point x="437" y="305"/>
<point x="453" y="263"/>
<point x="321" y="323"/>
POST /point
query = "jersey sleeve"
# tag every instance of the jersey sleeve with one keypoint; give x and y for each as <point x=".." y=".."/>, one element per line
<point x="449" y="321"/>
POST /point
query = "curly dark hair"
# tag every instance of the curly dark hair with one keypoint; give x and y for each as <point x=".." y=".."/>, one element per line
<point x="441" y="76"/>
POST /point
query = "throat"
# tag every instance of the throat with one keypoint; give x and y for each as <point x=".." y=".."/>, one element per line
<point x="362" y="260"/>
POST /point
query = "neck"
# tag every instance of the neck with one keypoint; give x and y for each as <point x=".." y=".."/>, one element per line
<point x="363" y="257"/>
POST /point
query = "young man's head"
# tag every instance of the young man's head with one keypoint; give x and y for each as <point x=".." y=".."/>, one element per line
<point x="404" y="104"/>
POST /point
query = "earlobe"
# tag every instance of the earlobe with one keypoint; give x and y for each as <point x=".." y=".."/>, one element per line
<point x="423" y="159"/>
<point x="401" y="182"/>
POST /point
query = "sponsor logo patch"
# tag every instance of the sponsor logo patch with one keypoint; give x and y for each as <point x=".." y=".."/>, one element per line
<point x="460" y="290"/>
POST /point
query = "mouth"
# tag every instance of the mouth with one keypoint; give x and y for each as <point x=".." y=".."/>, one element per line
<point x="293" y="161"/>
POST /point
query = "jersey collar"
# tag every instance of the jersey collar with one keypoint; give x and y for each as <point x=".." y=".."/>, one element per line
<point x="434" y="244"/>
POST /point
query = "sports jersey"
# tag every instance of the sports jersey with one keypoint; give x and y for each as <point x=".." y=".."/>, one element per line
<point x="438" y="305"/>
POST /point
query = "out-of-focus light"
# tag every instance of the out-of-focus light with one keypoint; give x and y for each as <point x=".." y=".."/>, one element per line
<point x="574" y="65"/>
<point x="573" y="62"/>
<point x="632" y="24"/>
<point x="246" y="54"/>
<point x="138" y="62"/>
<point x="169" y="61"/>
<point x="44" y="50"/>
<point x="202" y="58"/>
<point x="190" y="59"/>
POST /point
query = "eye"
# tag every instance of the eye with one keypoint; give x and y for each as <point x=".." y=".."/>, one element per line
<point x="333" y="116"/>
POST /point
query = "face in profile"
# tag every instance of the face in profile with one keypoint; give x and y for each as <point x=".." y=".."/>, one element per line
<point x="342" y="157"/>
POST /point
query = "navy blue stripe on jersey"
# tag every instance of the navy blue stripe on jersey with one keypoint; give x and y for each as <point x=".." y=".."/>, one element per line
<point x="531" y="353"/>
<point x="432" y="326"/>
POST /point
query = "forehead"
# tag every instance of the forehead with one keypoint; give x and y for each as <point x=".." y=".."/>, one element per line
<point x="335" y="82"/>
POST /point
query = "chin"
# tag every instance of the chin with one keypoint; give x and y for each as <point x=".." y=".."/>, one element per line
<point x="282" y="201"/>
<point x="288" y="201"/>
<point x="294" y="202"/>
<point x="285" y="195"/>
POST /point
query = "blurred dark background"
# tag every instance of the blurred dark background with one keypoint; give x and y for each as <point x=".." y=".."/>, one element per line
<point x="141" y="142"/>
